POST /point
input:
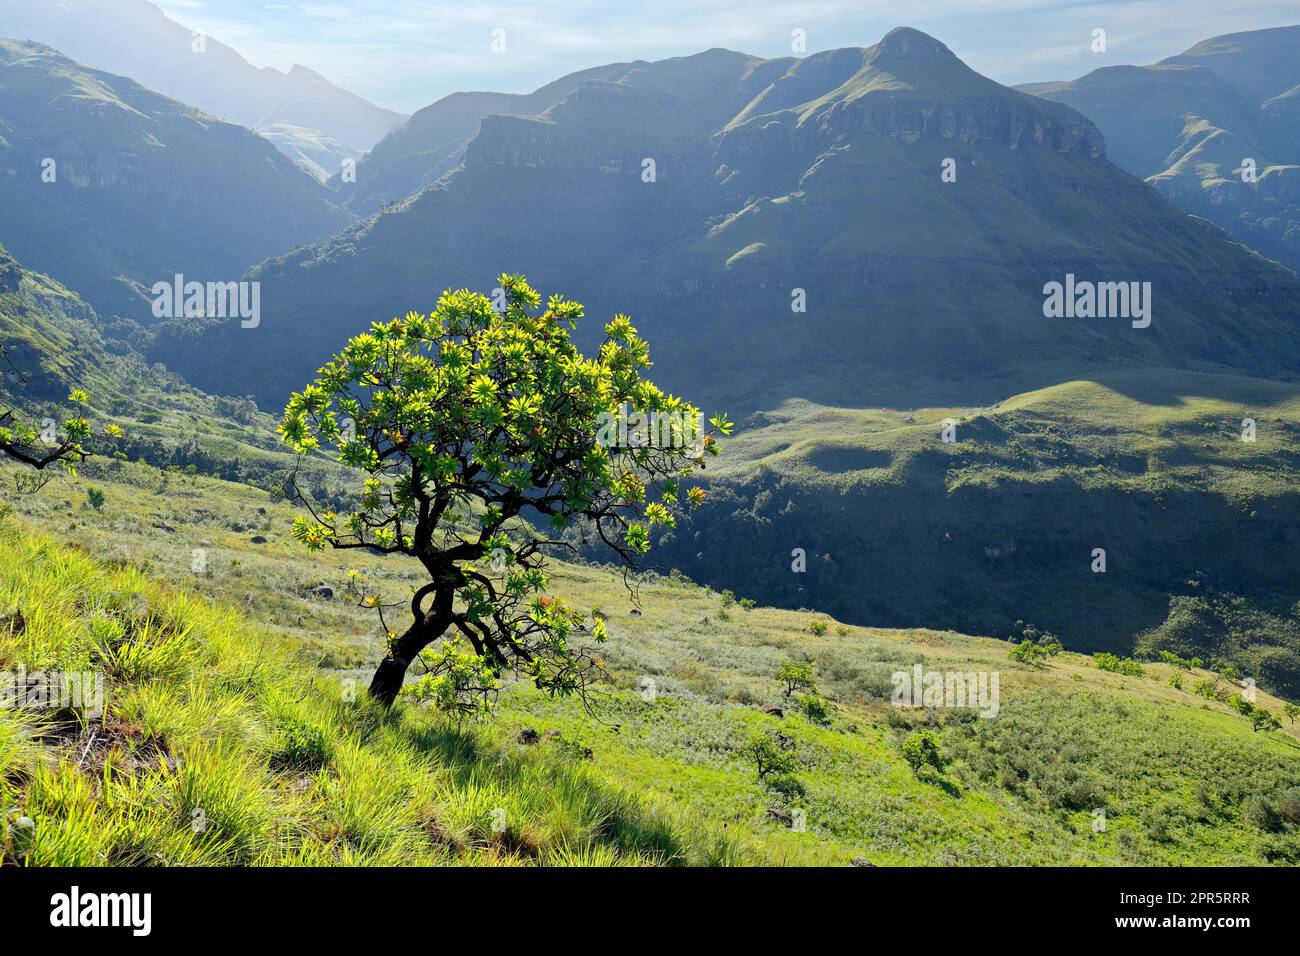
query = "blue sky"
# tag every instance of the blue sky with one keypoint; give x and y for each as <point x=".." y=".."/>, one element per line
<point x="405" y="54"/>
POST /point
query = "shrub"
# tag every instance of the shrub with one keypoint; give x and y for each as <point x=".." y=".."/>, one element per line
<point x="1027" y="652"/>
<point x="301" y="745"/>
<point x="797" y="675"/>
<point x="95" y="498"/>
<point x="818" y="627"/>
<point x="1264" y="720"/>
<point x="787" y="786"/>
<point x="921" y="750"/>
<point x="772" y="753"/>
<point x="1208" y="689"/>
<point x="1118" y="665"/>
<point x="1261" y="814"/>
<point x="815" y="709"/>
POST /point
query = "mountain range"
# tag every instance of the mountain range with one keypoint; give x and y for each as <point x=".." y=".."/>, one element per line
<point x="1191" y="124"/>
<point x="110" y="187"/>
<point x="134" y="38"/>
<point x="714" y="195"/>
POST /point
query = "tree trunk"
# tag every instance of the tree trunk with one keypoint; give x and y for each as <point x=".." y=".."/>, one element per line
<point x="391" y="672"/>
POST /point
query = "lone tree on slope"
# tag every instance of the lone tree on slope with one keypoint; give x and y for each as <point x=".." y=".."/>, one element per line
<point x="465" y="425"/>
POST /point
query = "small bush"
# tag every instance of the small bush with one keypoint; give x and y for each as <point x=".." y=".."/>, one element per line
<point x="1118" y="665"/>
<point x="815" y="709"/>
<point x="921" y="750"/>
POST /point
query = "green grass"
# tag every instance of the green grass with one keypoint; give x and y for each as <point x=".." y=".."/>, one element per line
<point x="1149" y="465"/>
<point x="214" y="749"/>
<point x="242" y="714"/>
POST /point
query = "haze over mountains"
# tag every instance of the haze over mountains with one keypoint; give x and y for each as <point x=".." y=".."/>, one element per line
<point x="110" y="187"/>
<point x="300" y="111"/>
<point x="822" y="174"/>
<point x="1189" y="124"/>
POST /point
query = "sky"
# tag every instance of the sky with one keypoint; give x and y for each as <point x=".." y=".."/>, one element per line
<point x="404" y="54"/>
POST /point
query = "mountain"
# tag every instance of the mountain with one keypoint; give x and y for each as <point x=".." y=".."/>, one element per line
<point x="822" y="174"/>
<point x="1188" y="124"/>
<point x="318" y="154"/>
<point x="110" y="187"/>
<point x="433" y="140"/>
<point x="49" y="338"/>
<point x="134" y="38"/>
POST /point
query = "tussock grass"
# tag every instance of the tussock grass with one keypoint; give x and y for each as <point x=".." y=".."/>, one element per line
<point x="215" y="748"/>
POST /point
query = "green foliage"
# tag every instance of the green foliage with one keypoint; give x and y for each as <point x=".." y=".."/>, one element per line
<point x="796" y="676"/>
<point x="466" y="420"/>
<point x="39" y="450"/>
<point x="1118" y="665"/>
<point x="95" y="498"/>
<point x="1228" y="670"/>
<point x="772" y="753"/>
<point x="815" y="709"/>
<point x="818" y="627"/>
<point x="921" y="750"/>
<point x="1264" y="720"/>
<point x="1210" y="690"/>
<point x="1027" y="652"/>
<point x="456" y="680"/>
<point x="1292" y="710"/>
<point x="787" y="786"/>
<point x="302" y="744"/>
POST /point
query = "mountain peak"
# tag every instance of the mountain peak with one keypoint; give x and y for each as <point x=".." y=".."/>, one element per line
<point x="910" y="42"/>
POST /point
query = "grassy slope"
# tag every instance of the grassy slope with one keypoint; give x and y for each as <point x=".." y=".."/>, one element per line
<point x="1148" y="464"/>
<point x="289" y="773"/>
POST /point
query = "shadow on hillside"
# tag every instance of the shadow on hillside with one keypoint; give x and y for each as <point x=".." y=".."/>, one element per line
<point x="618" y="819"/>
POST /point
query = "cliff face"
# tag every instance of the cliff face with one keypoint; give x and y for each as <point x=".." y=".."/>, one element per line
<point x="1189" y="124"/>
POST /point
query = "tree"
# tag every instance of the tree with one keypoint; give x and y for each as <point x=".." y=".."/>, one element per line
<point x="921" y="749"/>
<point x="464" y="425"/>
<point x="1027" y="652"/>
<point x="1291" y="710"/>
<point x="44" y="448"/>
<point x="797" y="675"/>
<point x="772" y="753"/>
<point x="1261" y="719"/>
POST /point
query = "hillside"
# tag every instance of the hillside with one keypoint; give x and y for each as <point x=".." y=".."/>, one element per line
<point x="52" y="343"/>
<point x="1188" y="123"/>
<point x="433" y="140"/>
<point x="209" y="711"/>
<point x="105" y="183"/>
<point x="821" y="174"/>
<point x="135" y="38"/>
<point x="999" y="526"/>
<point x="233" y="658"/>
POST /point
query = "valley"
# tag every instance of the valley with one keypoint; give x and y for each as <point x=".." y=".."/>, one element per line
<point x="997" y="566"/>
